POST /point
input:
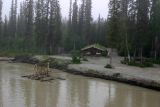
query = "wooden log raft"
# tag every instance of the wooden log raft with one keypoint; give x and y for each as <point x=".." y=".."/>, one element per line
<point x="41" y="73"/>
<point x="42" y="69"/>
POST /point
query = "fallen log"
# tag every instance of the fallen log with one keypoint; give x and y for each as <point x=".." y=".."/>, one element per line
<point x="42" y="78"/>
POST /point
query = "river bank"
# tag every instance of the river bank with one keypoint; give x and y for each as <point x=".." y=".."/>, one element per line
<point x="94" y="67"/>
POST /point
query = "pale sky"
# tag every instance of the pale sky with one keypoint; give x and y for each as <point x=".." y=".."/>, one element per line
<point x="98" y="7"/>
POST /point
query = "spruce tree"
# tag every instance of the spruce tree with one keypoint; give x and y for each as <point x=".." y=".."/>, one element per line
<point x="155" y="27"/>
<point x="70" y="14"/>
<point x="13" y="18"/>
<point x="21" y="21"/>
<point x="142" y="25"/>
<point x="5" y="28"/>
<point x="75" y="17"/>
<point x="132" y="12"/>
<point x="88" y="20"/>
<point x="38" y="24"/>
<point x="54" y="30"/>
<point x="81" y="19"/>
<point x="29" y="18"/>
<point x="74" y="24"/>
<point x="124" y="37"/>
<point x="113" y="25"/>
<point x="100" y="31"/>
<point x="1" y="3"/>
<point x="28" y="41"/>
<point x="58" y="25"/>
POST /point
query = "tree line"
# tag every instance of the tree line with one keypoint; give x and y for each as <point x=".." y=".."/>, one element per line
<point x="38" y="27"/>
<point x="132" y="26"/>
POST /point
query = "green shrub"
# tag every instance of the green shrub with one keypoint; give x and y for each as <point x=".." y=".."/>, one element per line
<point x="148" y="64"/>
<point x="104" y="54"/>
<point x="76" y="60"/>
<point x="108" y="66"/>
<point x="143" y="65"/>
<point x="156" y="61"/>
<point x="76" y="57"/>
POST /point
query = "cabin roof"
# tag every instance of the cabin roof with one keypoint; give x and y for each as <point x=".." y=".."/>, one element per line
<point x="97" y="46"/>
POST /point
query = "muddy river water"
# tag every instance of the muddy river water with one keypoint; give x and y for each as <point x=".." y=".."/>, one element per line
<point x="75" y="91"/>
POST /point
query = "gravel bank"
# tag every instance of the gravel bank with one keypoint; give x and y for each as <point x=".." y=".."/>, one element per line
<point x="113" y="74"/>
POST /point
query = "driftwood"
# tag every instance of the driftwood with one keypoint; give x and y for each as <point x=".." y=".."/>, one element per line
<point x="43" y="78"/>
<point x="39" y="77"/>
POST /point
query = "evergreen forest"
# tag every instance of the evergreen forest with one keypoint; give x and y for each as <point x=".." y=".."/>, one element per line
<point x="37" y="27"/>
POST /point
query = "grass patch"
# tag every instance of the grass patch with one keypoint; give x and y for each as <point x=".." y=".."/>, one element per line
<point x="145" y="64"/>
<point x="13" y="54"/>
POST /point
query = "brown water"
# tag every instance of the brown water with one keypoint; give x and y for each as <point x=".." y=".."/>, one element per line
<point x="75" y="91"/>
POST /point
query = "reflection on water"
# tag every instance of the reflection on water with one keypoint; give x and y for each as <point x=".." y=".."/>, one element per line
<point x="75" y="91"/>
